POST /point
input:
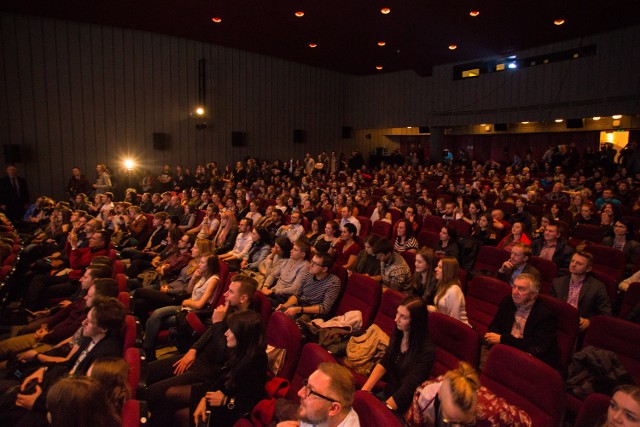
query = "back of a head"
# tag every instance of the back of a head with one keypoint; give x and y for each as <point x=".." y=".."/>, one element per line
<point x="80" y="402"/>
<point x="463" y="384"/>
<point x="109" y="314"/>
<point x="112" y="374"/>
<point x="342" y="383"/>
<point x="106" y="287"/>
<point x="248" y="285"/>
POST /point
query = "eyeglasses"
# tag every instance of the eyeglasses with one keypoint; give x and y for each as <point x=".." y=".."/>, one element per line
<point x="309" y="392"/>
<point x="317" y="264"/>
<point x="446" y="423"/>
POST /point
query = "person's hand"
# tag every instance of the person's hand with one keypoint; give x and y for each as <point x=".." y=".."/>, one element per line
<point x="292" y="311"/>
<point x="219" y="312"/>
<point x="201" y="412"/>
<point x="164" y="289"/>
<point x="214" y="398"/>
<point x="506" y="266"/>
<point x="186" y="303"/>
<point x="27" y="356"/>
<point x="243" y="263"/>
<point x="73" y="239"/>
<point x="37" y="375"/>
<point x="27" y="401"/>
<point x="584" y="323"/>
<point x="289" y="423"/>
<point x="40" y="313"/>
<point x="197" y="274"/>
<point x="185" y="362"/>
<point x="266" y="291"/>
<point x="64" y="303"/>
<point x="492" y="338"/>
<point x="281" y="307"/>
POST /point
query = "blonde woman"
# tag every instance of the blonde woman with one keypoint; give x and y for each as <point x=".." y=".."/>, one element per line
<point x="449" y="298"/>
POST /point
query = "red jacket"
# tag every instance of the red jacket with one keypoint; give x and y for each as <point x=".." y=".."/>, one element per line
<point x="79" y="259"/>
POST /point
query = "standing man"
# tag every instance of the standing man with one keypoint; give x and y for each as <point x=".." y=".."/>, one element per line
<point x="103" y="183"/>
<point x="14" y="194"/>
<point x="77" y="184"/>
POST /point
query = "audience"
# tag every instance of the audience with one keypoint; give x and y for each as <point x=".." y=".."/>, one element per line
<point x="61" y="244"/>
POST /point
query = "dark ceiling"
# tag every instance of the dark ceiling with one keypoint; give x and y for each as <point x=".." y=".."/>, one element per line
<point x="417" y="33"/>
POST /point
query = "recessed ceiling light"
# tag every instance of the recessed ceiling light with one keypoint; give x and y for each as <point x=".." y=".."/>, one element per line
<point x="617" y="117"/>
<point x="216" y="20"/>
<point x="312" y="45"/>
<point x="474" y="13"/>
<point x="382" y="43"/>
<point x="299" y="14"/>
<point x="596" y="118"/>
<point x="558" y="22"/>
<point x="559" y="120"/>
<point x="385" y="11"/>
<point x="378" y="67"/>
<point x="453" y="47"/>
<point x="525" y="123"/>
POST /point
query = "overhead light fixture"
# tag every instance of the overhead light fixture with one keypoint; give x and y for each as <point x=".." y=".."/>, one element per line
<point x="453" y="47"/>
<point x="596" y="118"/>
<point x="474" y="13"/>
<point x="559" y="120"/>
<point x="512" y="66"/>
<point x="312" y="45"/>
<point x="525" y="123"/>
<point x="382" y="44"/>
<point x="385" y="11"/>
<point x="378" y="67"/>
<point x="200" y="111"/>
<point x="299" y="14"/>
<point x="216" y="20"/>
<point x="558" y="22"/>
<point x="616" y="116"/>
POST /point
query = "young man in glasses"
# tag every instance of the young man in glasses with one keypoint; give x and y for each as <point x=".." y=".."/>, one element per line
<point x="326" y="398"/>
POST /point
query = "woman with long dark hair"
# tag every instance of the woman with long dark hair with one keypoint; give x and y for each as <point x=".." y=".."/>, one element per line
<point x="409" y="356"/>
<point x="240" y="384"/>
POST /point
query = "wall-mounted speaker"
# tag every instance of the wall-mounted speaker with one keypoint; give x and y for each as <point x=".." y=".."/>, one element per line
<point x="424" y="129"/>
<point x="574" y="123"/>
<point x="347" y="132"/>
<point x="238" y="139"/>
<point x="500" y="127"/>
<point x="161" y="141"/>
<point x="298" y="136"/>
<point x="12" y="153"/>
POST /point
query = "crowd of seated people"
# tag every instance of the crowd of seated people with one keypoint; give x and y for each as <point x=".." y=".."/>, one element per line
<point x="288" y="230"/>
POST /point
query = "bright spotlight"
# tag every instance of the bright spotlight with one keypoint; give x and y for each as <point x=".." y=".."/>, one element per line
<point x="129" y="164"/>
<point x="200" y="111"/>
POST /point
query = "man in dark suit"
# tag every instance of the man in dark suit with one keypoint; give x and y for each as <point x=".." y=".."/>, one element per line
<point x="579" y="289"/>
<point x="523" y="322"/>
<point x="14" y="194"/>
<point x="517" y="264"/>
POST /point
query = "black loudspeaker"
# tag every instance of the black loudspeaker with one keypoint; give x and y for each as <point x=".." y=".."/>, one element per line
<point x="161" y="141"/>
<point x="347" y="132"/>
<point x="574" y="123"/>
<point x="424" y="129"/>
<point x="11" y="153"/>
<point x="298" y="136"/>
<point x="237" y="139"/>
<point x="500" y="127"/>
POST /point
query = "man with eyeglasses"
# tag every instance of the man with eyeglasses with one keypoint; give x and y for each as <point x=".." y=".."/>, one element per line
<point x="326" y="399"/>
<point x="318" y="290"/>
